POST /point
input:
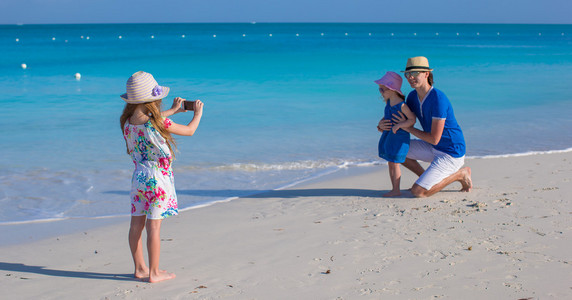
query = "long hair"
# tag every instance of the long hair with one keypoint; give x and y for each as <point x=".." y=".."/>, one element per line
<point x="154" y="109"/>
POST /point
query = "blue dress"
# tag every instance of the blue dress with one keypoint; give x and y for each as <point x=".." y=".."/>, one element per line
<point x="393" y="147"/>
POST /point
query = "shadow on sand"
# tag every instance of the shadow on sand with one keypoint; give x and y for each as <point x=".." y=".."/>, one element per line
<point x="289" y="193"/>
<point x="17" y="267"/>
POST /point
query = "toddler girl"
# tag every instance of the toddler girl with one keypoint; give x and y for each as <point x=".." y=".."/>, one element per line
<point x="394" y="143"/>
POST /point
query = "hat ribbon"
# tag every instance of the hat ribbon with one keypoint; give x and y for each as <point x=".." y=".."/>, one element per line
<point x="416" y="67"/>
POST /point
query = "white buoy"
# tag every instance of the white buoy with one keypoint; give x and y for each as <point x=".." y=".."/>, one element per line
<point x="243" y="35"/>
<point x="478" y="33"/>
<point x="437" y="33"/>
<point x="346" y="34"/>
<point x="24" y="66"/>
<point x="120" y="37"/>
<point x="415" y="33"/>
<point x="270" y="34"/>
<point x="370" y="34"/>
<point x="53" y="39"/>
<point x="214" y="35"/>
<point x="322" y="34"/>
<point x="183" y="36"/>
<point x="457" y="34"/>
<point x="392" y="34"/>
<point x="87" y="38"/>
<point x="152" y="36"/>
<point x="17" y="40"/>
<point x="77" y="76"/>
<point x="82" y="37"/>
<point x="297" y="34"/>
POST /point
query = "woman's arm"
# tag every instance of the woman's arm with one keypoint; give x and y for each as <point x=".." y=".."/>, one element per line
<point x="433" y="137"/>
<point x="406" y="123"/>
<point x="177" y="107"/>
<point x="189" y="129"/>
<point x="384" y="125"/>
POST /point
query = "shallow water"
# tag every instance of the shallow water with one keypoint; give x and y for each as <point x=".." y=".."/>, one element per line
<point x="282" y="102"/>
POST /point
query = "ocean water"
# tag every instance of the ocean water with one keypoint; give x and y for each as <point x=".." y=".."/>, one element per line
<point x="283" y="103"/>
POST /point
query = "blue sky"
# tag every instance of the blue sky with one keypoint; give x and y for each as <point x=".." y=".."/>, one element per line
<point x="189" y="11"/>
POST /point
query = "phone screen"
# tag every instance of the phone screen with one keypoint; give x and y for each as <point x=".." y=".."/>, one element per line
<point x="189" y="105"/>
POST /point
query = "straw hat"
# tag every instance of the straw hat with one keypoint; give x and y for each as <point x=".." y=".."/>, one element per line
<point x="392" y="81"/>
<point x="142" y="88"/>
<point x="418" y="63"/>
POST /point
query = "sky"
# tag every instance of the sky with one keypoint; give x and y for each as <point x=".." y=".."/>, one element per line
<point x="214" y="11"/>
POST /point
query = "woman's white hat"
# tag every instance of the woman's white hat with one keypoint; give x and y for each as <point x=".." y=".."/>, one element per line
<point x="142" y="88"/>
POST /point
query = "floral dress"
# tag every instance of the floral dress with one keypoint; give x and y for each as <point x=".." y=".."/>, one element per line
<point x="153" y="185"/>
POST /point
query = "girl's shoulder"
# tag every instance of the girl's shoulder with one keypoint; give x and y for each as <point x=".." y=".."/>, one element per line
<point x="396" y="104"/>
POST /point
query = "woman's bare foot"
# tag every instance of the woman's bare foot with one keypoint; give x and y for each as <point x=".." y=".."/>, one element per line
<point x="161" y="276"/>
<point x="466" y="182"/>
<point x="142" y="273"/>
<point x="392" y="194"/>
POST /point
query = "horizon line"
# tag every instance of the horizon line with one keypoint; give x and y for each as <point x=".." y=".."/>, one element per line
<point x="285" y="22"/>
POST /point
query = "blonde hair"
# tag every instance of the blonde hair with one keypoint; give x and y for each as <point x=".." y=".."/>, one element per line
<point x="154" y="108"/>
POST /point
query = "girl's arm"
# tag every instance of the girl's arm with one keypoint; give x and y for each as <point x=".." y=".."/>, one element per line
<point x="405" y="123"/>
<point x="177" y="107"/>
<point x="190" y="128"/>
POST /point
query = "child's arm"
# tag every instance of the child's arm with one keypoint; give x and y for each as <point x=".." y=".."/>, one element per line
<point x="406" y="123"/>
<point x="190" y="128"/>
<point x="177" y="107"/>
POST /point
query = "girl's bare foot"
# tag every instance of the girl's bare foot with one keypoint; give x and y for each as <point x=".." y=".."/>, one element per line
<point x="142" y="273"/>
<point x="392" y="194"/>
<point x="466" y="182"/>
<point x="161" y="276"/>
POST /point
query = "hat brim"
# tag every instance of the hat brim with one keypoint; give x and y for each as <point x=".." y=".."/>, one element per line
<point x="397" y="91"/>
<point x="164" y="95"/>
<point x="417" y="70"/>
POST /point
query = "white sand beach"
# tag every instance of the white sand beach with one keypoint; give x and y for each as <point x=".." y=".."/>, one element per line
<point x="335" y="238"/>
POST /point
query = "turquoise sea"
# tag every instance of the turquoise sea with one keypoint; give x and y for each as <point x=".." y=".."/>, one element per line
<point x="283" y="103"/>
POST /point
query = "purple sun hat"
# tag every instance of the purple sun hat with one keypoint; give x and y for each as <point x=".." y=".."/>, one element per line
<point x="392" y="81"/>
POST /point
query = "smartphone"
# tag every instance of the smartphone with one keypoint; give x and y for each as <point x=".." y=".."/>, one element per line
<point x="189" y="105"/>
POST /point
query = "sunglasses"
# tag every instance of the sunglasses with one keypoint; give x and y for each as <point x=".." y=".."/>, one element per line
<point x="410" y="75"/>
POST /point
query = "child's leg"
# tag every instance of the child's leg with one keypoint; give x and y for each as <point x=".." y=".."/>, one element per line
<point x="154" y="250"/>
<point x="395" y="176"/>
<point x="135" y="232"/>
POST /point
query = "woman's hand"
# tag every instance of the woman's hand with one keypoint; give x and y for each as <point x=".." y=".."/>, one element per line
<point x="399" y="118"/>
<point x="384" y="125"/>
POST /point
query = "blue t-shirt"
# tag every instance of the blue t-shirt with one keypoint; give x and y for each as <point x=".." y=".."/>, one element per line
<point x="437" y="106"/>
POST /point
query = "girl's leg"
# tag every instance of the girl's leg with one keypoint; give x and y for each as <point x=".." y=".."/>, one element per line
<point x="395" y="176"/>
<point x="135" y="232"/>
<point x="154" y="250"/>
